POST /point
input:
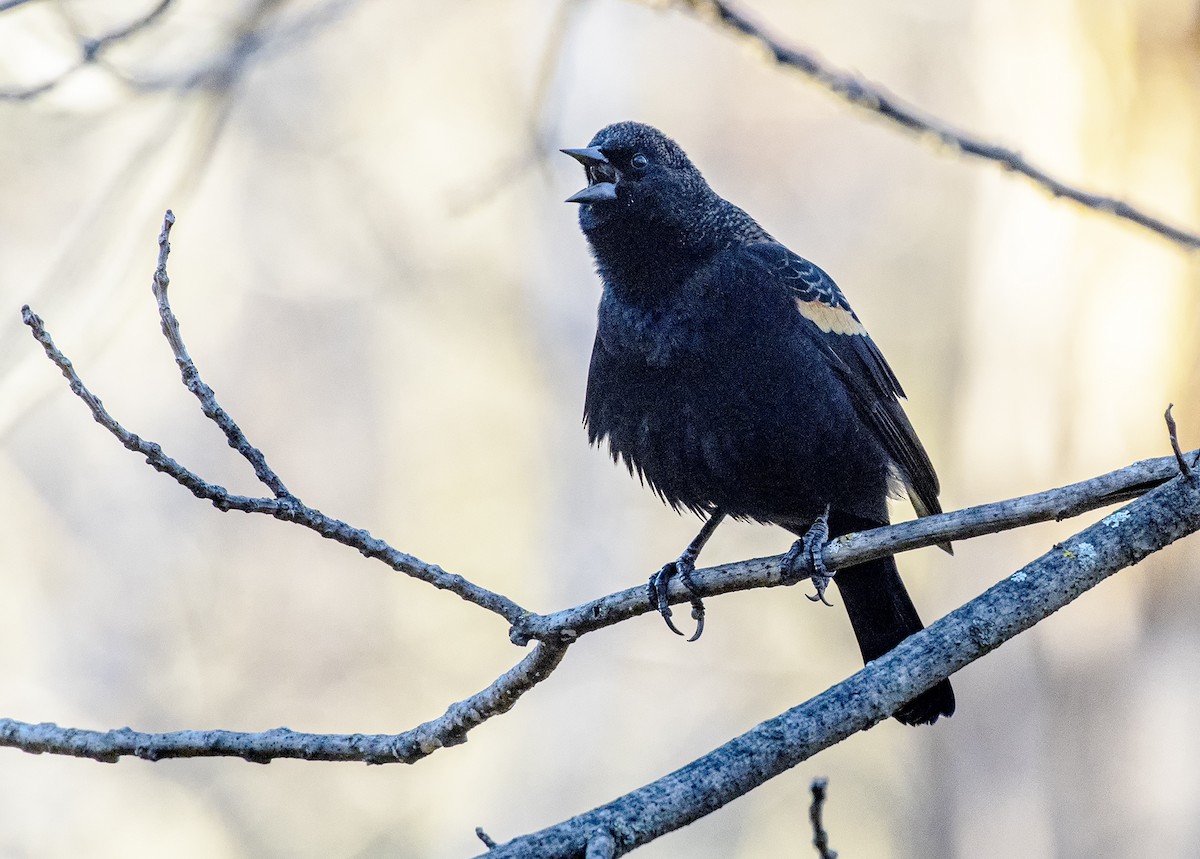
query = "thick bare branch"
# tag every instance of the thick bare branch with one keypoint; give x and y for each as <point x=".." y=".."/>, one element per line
<point x="1053" y="504"/>
<point x="449" y="729"/>
<point x="1028" y="596"/>
<point x="875" y="98"/>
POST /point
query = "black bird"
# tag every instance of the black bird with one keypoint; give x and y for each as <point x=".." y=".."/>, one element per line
<point x="732" y="376"/>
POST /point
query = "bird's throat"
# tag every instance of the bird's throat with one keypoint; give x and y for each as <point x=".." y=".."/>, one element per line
<point x="644" y="266"/>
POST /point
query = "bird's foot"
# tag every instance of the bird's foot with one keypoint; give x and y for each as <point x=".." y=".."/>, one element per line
<point x="656" y="591"/>
<point x="806" y="559"/>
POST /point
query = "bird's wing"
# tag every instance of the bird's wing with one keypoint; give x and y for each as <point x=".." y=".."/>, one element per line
<point x="872" y="385"/>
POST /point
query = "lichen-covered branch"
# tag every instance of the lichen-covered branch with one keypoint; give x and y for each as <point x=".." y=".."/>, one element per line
<point x="1018" y="602"/>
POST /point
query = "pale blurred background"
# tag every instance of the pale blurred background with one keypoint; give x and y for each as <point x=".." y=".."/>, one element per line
<point x="374" y="269"/>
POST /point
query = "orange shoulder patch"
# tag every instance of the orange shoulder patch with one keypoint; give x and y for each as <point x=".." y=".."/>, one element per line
<point x="831" y="320"/>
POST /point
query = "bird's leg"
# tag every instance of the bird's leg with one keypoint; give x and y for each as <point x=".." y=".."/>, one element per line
<point x="683" y="566"/>
<point x="806" y="559"/>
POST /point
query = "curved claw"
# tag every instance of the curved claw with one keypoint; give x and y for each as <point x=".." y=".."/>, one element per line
<point x="656" y="592"/>
<point x="811" y="547"/>
<point x="819" y="596"/>
<point x="685" y="566"/>
<point x="698" y="616"/>
<point x="814" y="547"/>
<point x="671" y="625"/>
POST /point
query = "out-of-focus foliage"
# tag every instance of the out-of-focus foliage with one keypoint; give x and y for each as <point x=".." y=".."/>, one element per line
<point x="374" y="270"/>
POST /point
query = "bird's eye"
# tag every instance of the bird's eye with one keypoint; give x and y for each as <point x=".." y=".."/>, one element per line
<point x="639" y="162"/>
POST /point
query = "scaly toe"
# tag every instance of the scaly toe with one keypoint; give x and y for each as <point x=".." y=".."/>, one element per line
<point x="656" y="593"/>
<point x="813" y="547"/>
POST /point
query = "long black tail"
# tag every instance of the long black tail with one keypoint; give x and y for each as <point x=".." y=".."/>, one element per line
<point x="883" y="615"/>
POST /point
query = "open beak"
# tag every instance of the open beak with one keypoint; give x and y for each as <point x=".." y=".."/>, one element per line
<point x="602" y="176"/>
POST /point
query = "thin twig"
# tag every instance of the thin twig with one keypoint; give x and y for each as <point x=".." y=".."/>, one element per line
<point x="1053" y="504"/>
<point x="287" y="509"/>
<point x="868" y="697"/>
<point x="875" y="98"/>
<point x="449" y="729"/>
<point x="1184" y="468"/>
<point x="191" y="376"/>
<point x="819" y="788"/>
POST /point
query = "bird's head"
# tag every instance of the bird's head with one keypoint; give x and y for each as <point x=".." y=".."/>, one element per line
<point x="639" y="177"/>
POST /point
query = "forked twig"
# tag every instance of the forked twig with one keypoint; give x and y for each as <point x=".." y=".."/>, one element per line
<point x="285" y="506"/>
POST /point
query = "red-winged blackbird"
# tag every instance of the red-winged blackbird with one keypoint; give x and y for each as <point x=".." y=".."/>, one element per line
<point x="732" y="376"/>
